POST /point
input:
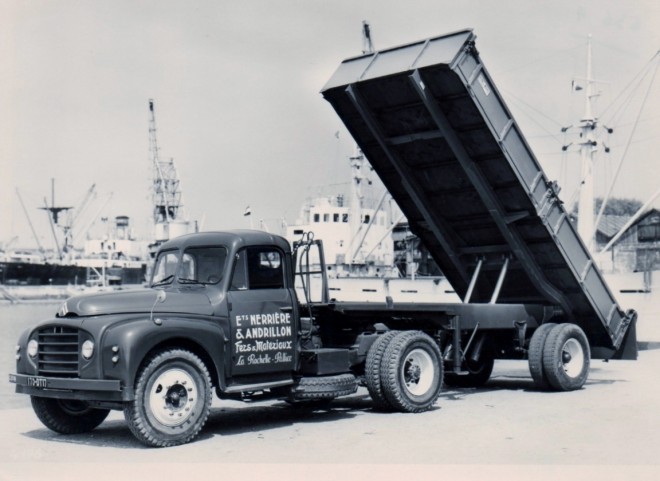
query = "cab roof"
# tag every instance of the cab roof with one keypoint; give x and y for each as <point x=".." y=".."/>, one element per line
<point x="233" y="239"/>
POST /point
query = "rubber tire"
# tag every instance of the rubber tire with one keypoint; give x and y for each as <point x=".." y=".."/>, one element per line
<point x="553" y="362"/>
<point x="139" y="417"/>
<point x="535" y="355"/>
<point x="372" y="371"/>
<point x="66" y="416"/>
<point x="478" y="374"/>
<point x="392" y="376"/>
<point x="324" y="387"/>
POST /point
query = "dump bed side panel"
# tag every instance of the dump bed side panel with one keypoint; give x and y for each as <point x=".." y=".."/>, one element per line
<point x="436" y="130"/>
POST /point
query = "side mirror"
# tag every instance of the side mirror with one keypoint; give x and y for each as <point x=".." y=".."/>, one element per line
<point x="160" y="297"/>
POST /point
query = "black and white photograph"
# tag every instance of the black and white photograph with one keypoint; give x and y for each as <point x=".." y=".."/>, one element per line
<point x="321" y="240"/>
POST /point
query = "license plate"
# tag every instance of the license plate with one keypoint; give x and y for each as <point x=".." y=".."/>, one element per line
<point x="34" y="381"/>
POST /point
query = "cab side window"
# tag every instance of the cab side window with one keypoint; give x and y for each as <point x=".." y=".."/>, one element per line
<point x="258" y="268"/>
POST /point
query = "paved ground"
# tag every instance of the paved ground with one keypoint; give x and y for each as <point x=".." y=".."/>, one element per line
<point x="507" y="429"/>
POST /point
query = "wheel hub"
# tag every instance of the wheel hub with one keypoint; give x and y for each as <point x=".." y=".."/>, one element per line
<point x="413" y="373"/>
<point x="176" y="396"/>
<point x="418" y="372"/>
<point x="172" y="396"/>
<point x="572" y="357"/>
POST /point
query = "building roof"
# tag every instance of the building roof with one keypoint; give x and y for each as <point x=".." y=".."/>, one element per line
<point x="610" y="225"/>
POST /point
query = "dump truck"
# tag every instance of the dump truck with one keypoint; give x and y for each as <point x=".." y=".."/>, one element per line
<point x="222" y="313"/>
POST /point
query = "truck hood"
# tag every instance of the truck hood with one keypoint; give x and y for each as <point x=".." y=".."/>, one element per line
<point x="138" y="301"/>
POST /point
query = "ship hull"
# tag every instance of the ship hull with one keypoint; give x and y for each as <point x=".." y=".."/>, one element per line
<point x="38" y="274"/>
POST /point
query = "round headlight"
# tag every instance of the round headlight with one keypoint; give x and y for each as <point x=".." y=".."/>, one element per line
<point x="33" y="348"/>
<point x="87" y="349"/>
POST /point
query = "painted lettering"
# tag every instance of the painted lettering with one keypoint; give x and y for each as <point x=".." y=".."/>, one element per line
<point x="262" y="339"/>
<point x="283" y="357"/>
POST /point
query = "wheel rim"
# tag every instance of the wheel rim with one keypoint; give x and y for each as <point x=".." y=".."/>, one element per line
<point x="172" y="397"/>
<point x="418" y="372"/>
<point x="572" y="358"/>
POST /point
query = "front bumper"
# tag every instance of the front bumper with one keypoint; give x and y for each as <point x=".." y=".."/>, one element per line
<point x="66" y="388"/>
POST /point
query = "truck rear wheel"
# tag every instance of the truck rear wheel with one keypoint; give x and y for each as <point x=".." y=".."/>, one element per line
<point x="566" y="357"/>
<point x="411" y="372"/>
<point x="372" y="370"/>
<point x="172" y="399"/>
<point x="67" y="416"/>
<point x="535" y="355"/>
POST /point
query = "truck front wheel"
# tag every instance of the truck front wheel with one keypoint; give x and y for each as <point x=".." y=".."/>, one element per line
<point x="67" y="416"/>
<point x="411" y="372"/>
<point x="172" y="399"/>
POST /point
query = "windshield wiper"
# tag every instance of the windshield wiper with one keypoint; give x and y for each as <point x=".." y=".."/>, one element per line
<point x="163" y="281"/>
<point x="189" y="281"/>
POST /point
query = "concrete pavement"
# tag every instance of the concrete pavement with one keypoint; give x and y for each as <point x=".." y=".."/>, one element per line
<point x="507" y="425"/>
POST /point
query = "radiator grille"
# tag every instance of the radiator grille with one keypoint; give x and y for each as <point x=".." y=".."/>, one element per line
<point x="58" y="351"/>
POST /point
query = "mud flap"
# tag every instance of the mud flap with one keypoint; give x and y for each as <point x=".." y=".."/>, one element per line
<point x="628" y="349"/>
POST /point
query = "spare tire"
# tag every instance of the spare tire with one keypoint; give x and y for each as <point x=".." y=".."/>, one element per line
<point x="324" y="387"/>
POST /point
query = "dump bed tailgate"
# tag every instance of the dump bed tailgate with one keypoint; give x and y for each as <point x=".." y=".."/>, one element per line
<point x="436" y="130"/>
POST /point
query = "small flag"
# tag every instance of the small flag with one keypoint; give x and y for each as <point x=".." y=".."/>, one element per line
<point x="575" y="86"/>
<point x="247" y="211"/>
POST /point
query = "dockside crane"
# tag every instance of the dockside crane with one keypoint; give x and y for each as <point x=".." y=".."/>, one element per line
<point x="169" y="216"/>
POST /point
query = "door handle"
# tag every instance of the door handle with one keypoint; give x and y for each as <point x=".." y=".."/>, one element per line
<point x="286" y="309"/>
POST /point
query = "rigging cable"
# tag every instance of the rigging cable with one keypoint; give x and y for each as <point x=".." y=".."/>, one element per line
<point x="625" y="150"/>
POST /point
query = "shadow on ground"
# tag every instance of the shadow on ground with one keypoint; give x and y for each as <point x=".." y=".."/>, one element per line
<point x="230" y="421"/>
<point x="224" y="421"/>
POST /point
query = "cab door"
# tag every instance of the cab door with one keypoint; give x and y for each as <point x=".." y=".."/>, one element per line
<point x="262" y="314"/>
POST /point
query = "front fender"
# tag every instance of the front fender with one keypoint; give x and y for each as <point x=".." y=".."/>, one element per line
<point x="125" y="346"/>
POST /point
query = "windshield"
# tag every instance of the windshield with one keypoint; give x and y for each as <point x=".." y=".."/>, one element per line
<point x="197" y="265"/>
<point x="165" y="268"/>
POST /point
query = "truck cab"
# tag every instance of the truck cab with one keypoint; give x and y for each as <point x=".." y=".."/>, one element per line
<point x="220" y="314"/>
<point x="248" y="280"/>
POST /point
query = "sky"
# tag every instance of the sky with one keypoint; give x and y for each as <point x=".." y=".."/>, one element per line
<point x="236" y="86"/>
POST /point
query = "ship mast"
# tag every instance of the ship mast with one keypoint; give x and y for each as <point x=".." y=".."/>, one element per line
<point x="588" y="148"/>
<point x="54" y="217"/>
<point x="358" y="171"/>
<point x="168" y="213"/>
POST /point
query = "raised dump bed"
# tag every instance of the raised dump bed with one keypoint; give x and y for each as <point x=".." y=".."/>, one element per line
<point x="436" y="130"/>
